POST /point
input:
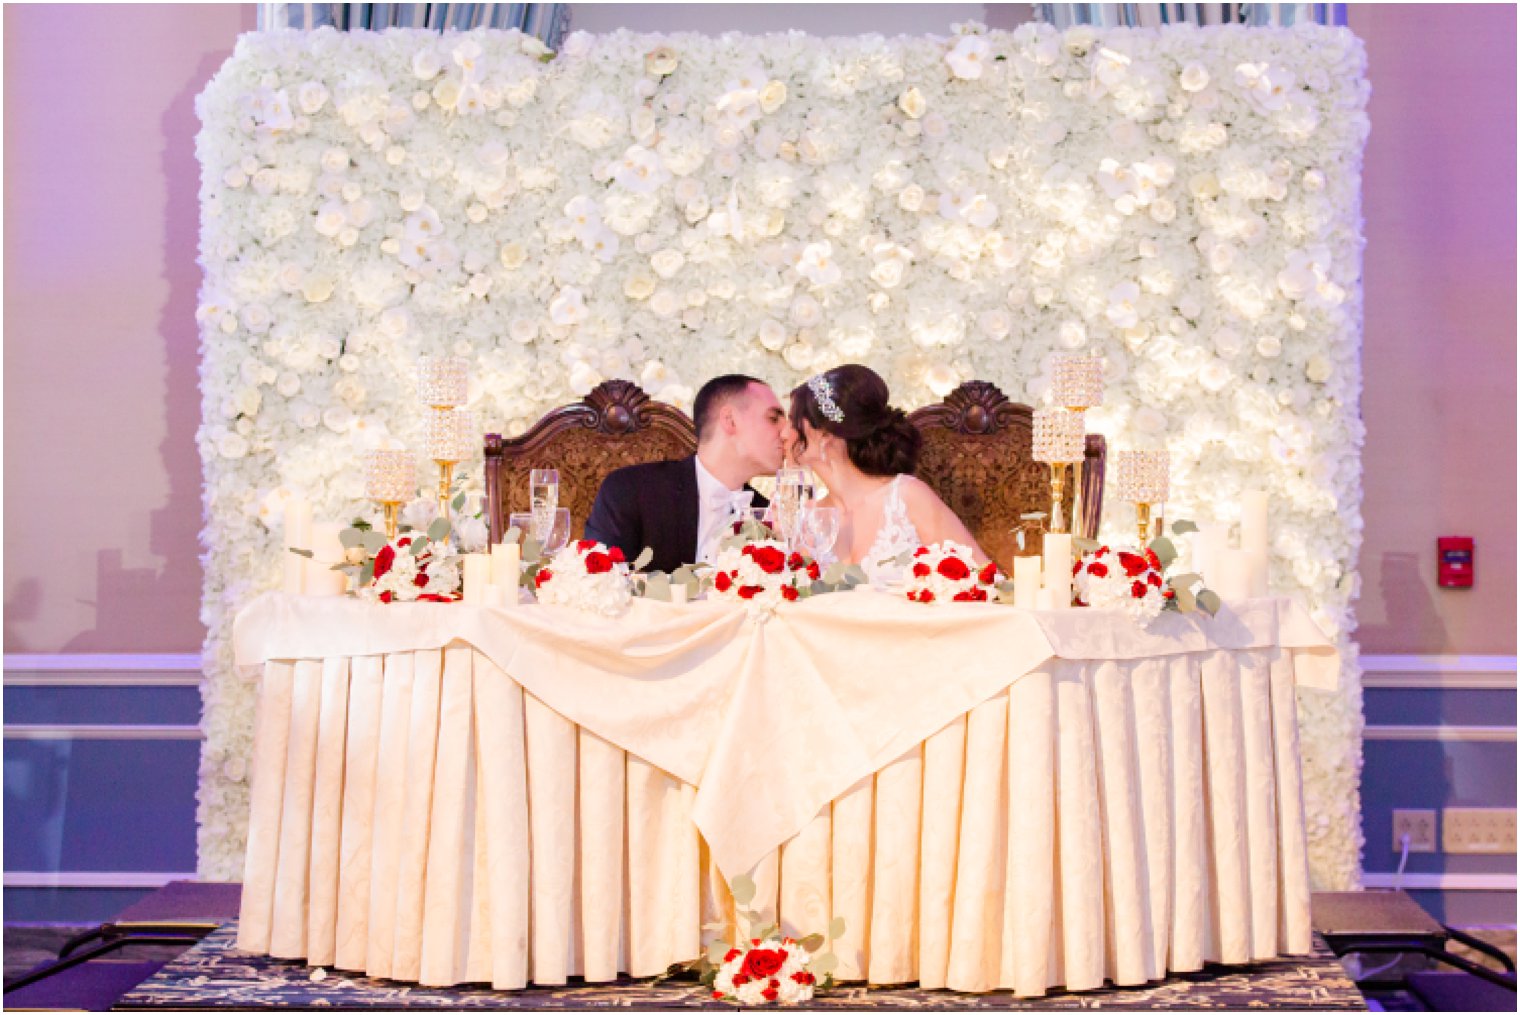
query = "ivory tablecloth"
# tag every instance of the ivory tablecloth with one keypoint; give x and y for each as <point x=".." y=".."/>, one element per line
<point x="990" y="797"/>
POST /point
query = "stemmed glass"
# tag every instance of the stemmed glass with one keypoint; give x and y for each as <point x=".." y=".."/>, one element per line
<point x="554" y="539"/>
<point x="543" y="501"/>
<point x="794" y="492"/>
<point x="820" y="527"/>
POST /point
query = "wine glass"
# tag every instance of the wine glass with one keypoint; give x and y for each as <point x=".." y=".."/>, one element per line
<point x="821" y="529"/>
<point x="554" y="540"/>
<point x="543" y="501"/>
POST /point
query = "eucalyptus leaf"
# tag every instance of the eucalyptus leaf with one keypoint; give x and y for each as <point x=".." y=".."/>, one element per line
<point x="532" y="549"/>
<point x="1018" y="539"/>
<point x="642" y="560"/>
<point x="1185" y="600"/>
<point x="1032" y="516"/>
<point x="825" y="963"/>
<point x="749" y="916"/>
<point x="812" y="942"/>
<point x="836" y="928"/>
<point x="351" y="538"/>
<point x="1164" y="550"/>
<point x="854" y="574"/>
<point x="766" y="932"/>
<point x="834" y="573"/>
<point x="718" y="926"/>
<point x="1082" y="545"/>
<point x="418" y="546"/>
<point x="458" y="502"/>
<point x="1182" y="527"/>
<point x="743" y="889"/>
<point x="362" y="525"/>
<point x="657" y="586"/>
<point x="1185" y="581"/>
<point x="512" y="535"/>
<point x="1209" y="602"/>
<point x="366" y="573"/>
<point x="300" y="552"/>
<point x="716" y="950"/>
<point x="439" y="530"/>
<point x="374" y="542"/>
<point x="819" y="588"/>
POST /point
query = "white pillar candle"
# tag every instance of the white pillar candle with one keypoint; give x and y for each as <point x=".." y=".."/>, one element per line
<point x="477" y="575"/>
<point x="1256" y="573"/>
<point x="1057" y="568"/>
<point x="678" y="593"/>
<point x="1206" y="544"/>
<point x="506" y="564"/>
<point x="1253" y="521"/>
<point x="1232" y="580"/>
<point x="1042" y="599"/>
<point x="1026" y="581"/>
<point x="296" y="533"/>
<point x="495" y="595"/>
<point x="322" y="580"/>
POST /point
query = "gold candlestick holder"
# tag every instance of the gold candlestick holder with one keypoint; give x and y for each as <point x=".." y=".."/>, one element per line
<point x="1057" y="491"/>
<point x="1149" y="521"/>
<point x="1076" y="483"/>
<point x="445" y="488"/>
<point x="392" y="509"/>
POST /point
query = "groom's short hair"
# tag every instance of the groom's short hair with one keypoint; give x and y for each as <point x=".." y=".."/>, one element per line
<point x="714" y="395"/>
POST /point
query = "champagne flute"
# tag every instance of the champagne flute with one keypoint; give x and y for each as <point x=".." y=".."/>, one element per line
<point x="788" y="504"/>
<point x="822" y="529"/>
<point x="559" y="532"/>
<point x="543" y="501"/>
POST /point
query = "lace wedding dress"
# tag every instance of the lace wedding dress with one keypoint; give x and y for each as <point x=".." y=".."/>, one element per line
<point x="895" y="537"/>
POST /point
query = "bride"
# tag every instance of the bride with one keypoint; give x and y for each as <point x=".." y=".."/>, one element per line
<point x="864" y="451"/>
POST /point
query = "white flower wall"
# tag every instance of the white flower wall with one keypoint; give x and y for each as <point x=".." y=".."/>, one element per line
<point x="1184" y="203"/>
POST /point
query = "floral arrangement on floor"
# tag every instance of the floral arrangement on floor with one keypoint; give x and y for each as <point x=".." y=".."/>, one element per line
<point x="586" y="575"/>
<point x="1181" y="202"/>
<point x="947" y="573"/>
<point x="766" y="968"/>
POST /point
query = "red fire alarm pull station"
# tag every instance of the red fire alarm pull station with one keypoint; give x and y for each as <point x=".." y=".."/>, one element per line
<point x="1455" y="557"/>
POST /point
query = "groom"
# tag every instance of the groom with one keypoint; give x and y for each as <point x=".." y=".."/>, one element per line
<point x="680" y="509"/>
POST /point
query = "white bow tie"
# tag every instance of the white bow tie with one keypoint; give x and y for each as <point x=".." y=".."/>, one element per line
<point x="735" y="502"/>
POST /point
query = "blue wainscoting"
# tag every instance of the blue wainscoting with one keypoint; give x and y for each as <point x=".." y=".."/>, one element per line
<point x="101" y="760"/>
<point x="1440" y="733"/>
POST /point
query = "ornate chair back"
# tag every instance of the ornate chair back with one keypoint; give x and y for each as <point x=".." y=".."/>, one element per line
<point x="617" y="424"/>
<point x="978" y="456"/>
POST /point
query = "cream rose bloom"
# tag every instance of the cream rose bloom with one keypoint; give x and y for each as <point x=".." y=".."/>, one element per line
<point x="912" y="103"/>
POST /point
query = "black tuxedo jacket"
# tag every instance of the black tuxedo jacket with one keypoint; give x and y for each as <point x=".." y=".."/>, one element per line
<point x="655" y="505"/>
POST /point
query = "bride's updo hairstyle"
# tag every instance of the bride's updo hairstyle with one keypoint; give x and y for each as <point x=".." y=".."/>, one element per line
<point x="850" y="402"/>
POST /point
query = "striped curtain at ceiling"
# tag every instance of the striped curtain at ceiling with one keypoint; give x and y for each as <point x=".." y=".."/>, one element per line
<point x="1155" y="15"/>
<point x="549" y="22"/>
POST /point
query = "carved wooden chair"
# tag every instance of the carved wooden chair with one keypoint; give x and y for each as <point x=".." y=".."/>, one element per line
<point x="977" y="455"/>
<point x="617" y="424"/>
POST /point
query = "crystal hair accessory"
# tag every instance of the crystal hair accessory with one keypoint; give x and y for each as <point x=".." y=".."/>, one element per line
<point x="823" y="394"/>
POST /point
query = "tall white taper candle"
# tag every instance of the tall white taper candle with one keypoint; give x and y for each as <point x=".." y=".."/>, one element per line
<point x="1057" y="568"/>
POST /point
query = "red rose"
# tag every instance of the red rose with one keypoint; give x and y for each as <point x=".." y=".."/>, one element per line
<point x="770" y="994"/>
<point x="733" y="953"/>
<point x="1154" y="579"/>
<point x="989" y="573"/>
<point x="1100" y="551"/>
<point x="1134" y="565"/>
<point x="598" y="563"/>
<point x="926" y="596"/>
<point x="920" y="570"/>
<point x="717" y="995"/>
<point x="385" y="597"/>
<point x="404" y="541"/>
<point x="1138" y="590"/>
<point x="789" y="593"/>
<point x="1169" y="594"/>
<point x="421" y="580"/>
<point x="803" y="977"/>
<point x="813" y="571"/>
<point x="954" y="568"/>
<point x="740" y="979"/>
<point x="723" y="581"/>
<point x="1076" y="568"/>
<point x="971" y="595"/>
<point x="383" y="560"/>
<point x="616" y="553"/>
<point x="795" y="561"/>
<point x="770" y="559"/>
<point x="544" y="574"/>
<point x="1097" y="570"/>
<point x="920" y="551"/>
<point x="749" y="591"/>
<point x="1152" y="559"/>
<point x="582" y="545"/>
<point x="763" y="963"/>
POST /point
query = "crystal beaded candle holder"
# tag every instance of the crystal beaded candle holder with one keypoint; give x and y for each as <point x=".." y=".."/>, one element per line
<point x="1078" y="381"/>
<point x="1142" y="477"/>
<point x="1059" y="435"/>
<point x="451" y="435"/>
<point x="443" y="381"/>
<point x="390" y="476"/>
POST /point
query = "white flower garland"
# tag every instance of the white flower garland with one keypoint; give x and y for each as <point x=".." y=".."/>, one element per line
<point x="1183" y="202"/>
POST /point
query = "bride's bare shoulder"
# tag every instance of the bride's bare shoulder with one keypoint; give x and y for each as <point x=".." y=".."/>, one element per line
<point x="916" y="491"/>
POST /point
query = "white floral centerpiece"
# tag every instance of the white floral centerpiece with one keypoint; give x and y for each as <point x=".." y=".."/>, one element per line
<point x="762" y="574"/>
<point x="1126" y="580"/>
<point x="947" y="573"/>
<point x="400" y="575"/>
<point x="586" y="575"/>
<point x="1183" y="203"/>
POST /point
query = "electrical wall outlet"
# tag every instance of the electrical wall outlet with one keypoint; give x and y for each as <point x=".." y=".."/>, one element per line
<point x="1478" y="830"/>
<point x="1420" y="826"/>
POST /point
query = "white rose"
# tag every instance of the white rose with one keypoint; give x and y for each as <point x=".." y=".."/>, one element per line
<point x="288" y="384"/>
<point x="1314" y="181"/>
<point x="941" y="379"/>
<point x="805" y="312"/>
<point x="968" y="56"/>
<point x="995" y="324"/>
<point x="889" y="273"/>
<point x="583" y="377"/>
<point x="1123" y="302"/>
<point x="1194" y="78"/>
<point x="522" y="330"/>
<point x="1214" y="376"/>
<point x="1073" y="334"/>
<point x="639" y="285"/>
<point x="1228" y="341"/>
<point x="568" y="307"/>
<point x="312" y="96"/>
<point x="798" y="355"/>
<point x="665" y="303"/>
<point x="1318" y="369"/>
<point x="772" y="96"/>
<point x="667" y="262"/>
<point x="426" y="65"/>
<point x="911" y="197"/>
<point x="818" y="266"/>
<point x="512" y="256"/>
<point x="232" y="445"/>
<point x="772" y="334"/>
<point x="912" y="103"/>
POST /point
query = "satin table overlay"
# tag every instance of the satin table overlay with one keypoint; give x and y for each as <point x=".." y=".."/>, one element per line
<point x="990" y="797"/>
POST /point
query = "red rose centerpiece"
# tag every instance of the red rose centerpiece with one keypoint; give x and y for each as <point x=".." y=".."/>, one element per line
<point x="586" y="575"/>
<point x="947" y="573"/>
<point x="413" y="568"/>
<point x="762" y="972"/>
<point x="1128" y="580"/>
<point x="762" y="574"/>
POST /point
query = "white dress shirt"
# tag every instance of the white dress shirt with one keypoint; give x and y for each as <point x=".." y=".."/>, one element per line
<point x="718" y="508"/>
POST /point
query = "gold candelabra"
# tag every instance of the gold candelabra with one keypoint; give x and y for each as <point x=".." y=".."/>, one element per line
<point x="1057" y="490"/>
<point x="392" y="509"/>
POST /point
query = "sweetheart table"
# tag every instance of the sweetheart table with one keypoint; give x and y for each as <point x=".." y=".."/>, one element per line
<point x="991" y="798"/>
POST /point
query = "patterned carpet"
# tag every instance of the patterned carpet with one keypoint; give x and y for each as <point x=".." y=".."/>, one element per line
<point x="214" y="975"/>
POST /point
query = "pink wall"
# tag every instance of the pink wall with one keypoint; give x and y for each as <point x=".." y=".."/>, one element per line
<point x="102" y="492"/>
<point x="1439" y="344"/>
<point x="102" y="481"/>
